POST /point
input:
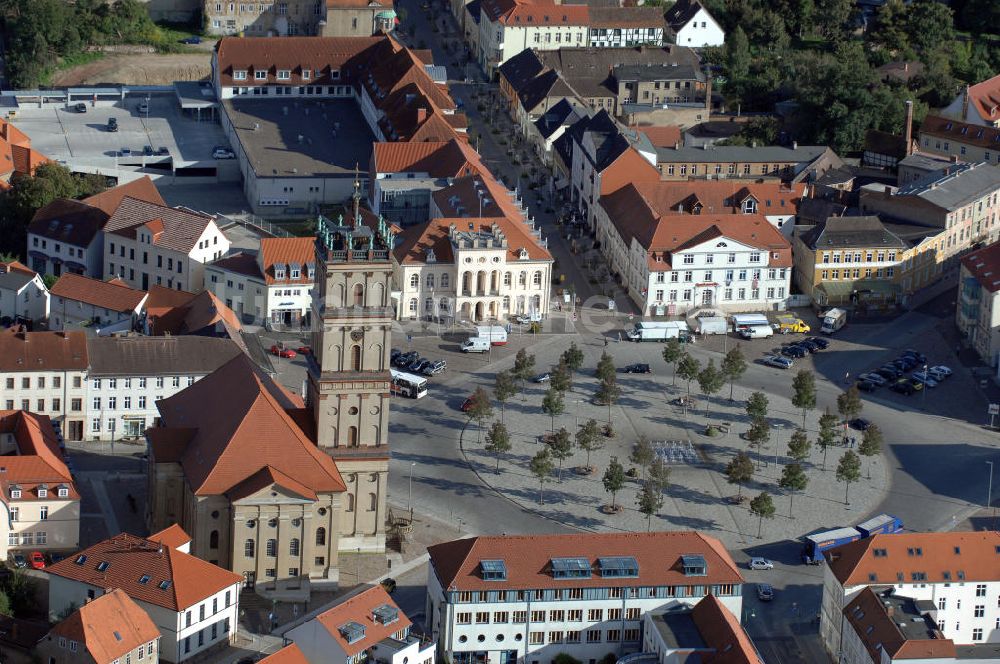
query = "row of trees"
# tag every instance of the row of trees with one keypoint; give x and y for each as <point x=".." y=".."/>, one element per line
<point x="39" y="33"/>
<point x="710" y="379"/>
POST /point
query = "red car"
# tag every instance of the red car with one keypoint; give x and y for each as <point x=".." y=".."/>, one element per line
<point x="467" y="405"/>
<point x="282" y="352"/>
<point x="37" y="560"/>
<point x="305" y="350"/>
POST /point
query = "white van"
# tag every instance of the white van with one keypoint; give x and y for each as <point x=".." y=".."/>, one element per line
<point x="476" y="345"/>
<point x="755" y="331"/>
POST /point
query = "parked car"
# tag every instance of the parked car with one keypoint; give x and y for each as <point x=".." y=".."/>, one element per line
<point x="18" y="560"/>
<point x="112" y="124"/>
<point x="794" y="350"/>
<point x="193" y="39"/>
<point x="940" y="369"/>
<point x="148" y="150"/>
<point x="435" y="367"/>
<point x="542" y="378"/>
<point x="903" y="365"/>
<point x="305" y="350"/>
<point x="916" y="355"/>
<point x="406" y="358"/>
<point x="777" y="361"/>
<point x="37" y="560"/>
<point x="819" y="341"/>
<point x="282" y="352"/>
<point x="917" y="385"/>
<point x="903" y="386"/>
<point x="765" y="592"/>
<point x="80" y="108"/>
<point x="144" y="108"/>
<point x="761" y="563"/>
<point x="859" y="423"/>
<point x="890" y="373"/>
<point x="222" y="152"/>
<point x="637" y="369"/>
<point x="419" y="365"/>
<point x="162" y="151"/>
<point x="873" y="378"/>
<point x="56" y="557"/>
<point x="125" y="152"/>
<point x="393" y="354"/>
<point x="810" y="346"/>
<point x="866" y="386"/>
<point x="925" y="378"/>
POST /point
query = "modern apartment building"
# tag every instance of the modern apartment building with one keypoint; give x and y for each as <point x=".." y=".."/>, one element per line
<point x="45" y="373"/>
<point x="956" y="573"/>
<point x="40" y="499"/>
<point x="528" y="598"/>
<point x="193" y="603"/>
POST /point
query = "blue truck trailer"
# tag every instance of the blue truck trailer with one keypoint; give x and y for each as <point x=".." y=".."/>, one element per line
<point x="818" y="543"/>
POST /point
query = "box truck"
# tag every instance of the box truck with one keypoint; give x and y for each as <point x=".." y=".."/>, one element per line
<point x="833" y="320"/>
<point x="788" y="323"/>
<point x="817" y="543"/>
<point x="710" y="325"/>
<point x="660" y="331"/>
<point x="476" y="345"/>
<point x="496" y="334"/>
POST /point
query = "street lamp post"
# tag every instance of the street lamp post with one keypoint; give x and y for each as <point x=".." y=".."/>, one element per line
<point x="924" y="397"/>
<point x="409" y="492"/>
<point x="989" y="495"/>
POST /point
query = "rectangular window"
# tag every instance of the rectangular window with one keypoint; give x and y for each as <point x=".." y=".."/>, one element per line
<point x="595" y="615"/>
<point x="482" y="617"/>
<point x="501" y="617"/>
<point x="613" y="635"/>
<point x="593" y="636"/>
<point x="614" y="614"/>
<point x="463" y="618"/>
<point x="537" y="616"/>
<point x="557" y="616"/>
<point x="536" y="638"/>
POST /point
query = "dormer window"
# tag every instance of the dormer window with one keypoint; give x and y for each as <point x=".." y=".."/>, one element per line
<point x="694" y="565"/>
<point x="749" y="206"/>
<point x="295" y="270"/>
<point x="570" y="568"/>
<point x="240" y="75"/>
<point x="385" y="614"/>
<point x="62" y="492"/>
<point x="43" y="492"/>
<point x="306" y="74"/>
<point x="260" y="75"/>
<point x="15" y="492"/>
<point x="493" y="570"/>
<point x="352" y="631"/>
<point x="279" y="270"/>
<point x="311" y="270"/>
<point x="284" y="74"/>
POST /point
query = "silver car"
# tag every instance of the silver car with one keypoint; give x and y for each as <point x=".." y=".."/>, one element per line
<point x="778" y="361"/>
<point x="761" y="563"/>
<point x="873" y="378"/>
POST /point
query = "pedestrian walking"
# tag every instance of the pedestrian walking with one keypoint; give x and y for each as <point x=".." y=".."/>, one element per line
<point x="605" y="342"/>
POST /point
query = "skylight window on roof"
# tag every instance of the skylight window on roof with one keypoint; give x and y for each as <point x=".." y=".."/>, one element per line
<point x="618" y="567"/>
<point x="570" y="568"/>
<point x="493" y="570"/>
<point x="81" y="559"/>
<point x="164" y="585"/>
<point x="694" y="565"/>
<point x="144" y="579"/>
<point x="103" y="566"/>
<point x="118" y="637"/>
<point x="385" y="614"/>
<point x="352" y="631"/>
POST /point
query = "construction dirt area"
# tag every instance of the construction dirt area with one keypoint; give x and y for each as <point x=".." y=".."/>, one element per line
<point x="138" y="69"/>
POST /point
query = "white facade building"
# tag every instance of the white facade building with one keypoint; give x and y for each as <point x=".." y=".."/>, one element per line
<point x="194" y="604"/>
<point x="23" y="295"/>
<point x="583" y="595"/>
<point x="79" y="301"/>
<point x="128" y="375"/>
<point x="491" y="266"/>
<point x="693" y="26"/>
<point x="369" y="622"/>
<point x="958" y="572"/>
<point x="507" y="27"/>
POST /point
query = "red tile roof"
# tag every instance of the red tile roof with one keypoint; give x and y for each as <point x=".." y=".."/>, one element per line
<point x="359" y="609"/>
<point x="320" y="55"/>
<point x="172" y="536"/>
<point x="984" y="265"/>
<point x="721" y="630"/>
<point x="287" y="251"/>
<point x="142" y="189"/>
<point x="201" y="311"/>
<point x="108" y="627"/>
<point x="177" y="580"/>
<point x="942" y="558"/>
<point x="662" y="136"/>
<point x="42" y="351"/>
<point x="453" y="158"/>
<point x="542" y="13"/>
<point x="627" y="17"/>
<point x="241" y="422"/>
<point x="880" y="634"/>
<point x="104" y="294"/>
<point x="69" y="221"/>
<point x="267" y="477"/>
<point x="527" y="558"/>
<point x="173" y="228"/>
<point x="16" y="154"/>
<point x="960" y="132"/>
<point x="290" y="654"/>
<point x="38" y="462"/>
<point x="16" y="266"/>
<point x="985" y="97"/>
<point x="162" y="299"/>
<point x="710" y="197"/>
<point x="240" y="263"/>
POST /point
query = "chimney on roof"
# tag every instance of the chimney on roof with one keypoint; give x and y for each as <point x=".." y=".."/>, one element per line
<point x="965" y="103"/>
<point x="421" y="114"/>
<point x="908" y="130"/>
<point x="890" y="610"/>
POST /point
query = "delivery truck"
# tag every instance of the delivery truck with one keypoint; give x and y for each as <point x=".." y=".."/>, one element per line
<point x="496" y="334"/>
<point x="711" y="325"/>
<point x="752" y="326"/>
<point x="660" y="331"/>
<point x="833" y="320"/>
<point x="476" y="345"/>
<point x="818" y="543"/>
<point x="788" y="323"/>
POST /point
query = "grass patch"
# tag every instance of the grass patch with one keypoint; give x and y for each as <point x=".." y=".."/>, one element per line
<point x="68" y="62"/>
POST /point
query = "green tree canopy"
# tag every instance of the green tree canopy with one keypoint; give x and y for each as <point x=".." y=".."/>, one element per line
<point x="614" y="479"/>
<point x="762" y="506"/>
<point x="799" y="446"/>
<point x="561" y="447"/>
<point x="553" y="405"/>
<point x="561" y="377"/>
<point x="757" y="406"/>
<point x="672" y="353"/>
<point x="734" y="365"/>
<point x="605" y="367"/>
<point x="871" y="444"/>
<point x="793" y="479"/>
<point x="739" y="471"/>
<point x="573" y="357"/>
<point x="589" y="438"/>
<point x="524" y="365"/>
<point x="541" y="467"/>
<point x="804" y="392"/>
<point x="827" y="433"/>
<point x="848" y="471"/>
<point x="642" y="454"/>
<point x="710" y="380"/>
<point x="504" y="389"/>
<point x="688" y="368"/>
<point x="498" y="441"/>
<point x="649" y="500"/>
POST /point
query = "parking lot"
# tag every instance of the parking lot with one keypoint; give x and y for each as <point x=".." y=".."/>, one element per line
<point x="83" y="139"/>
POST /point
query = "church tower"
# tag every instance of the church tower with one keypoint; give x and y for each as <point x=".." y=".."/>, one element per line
<point x="348" y="389"/>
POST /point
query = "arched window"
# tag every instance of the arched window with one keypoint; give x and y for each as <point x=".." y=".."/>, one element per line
<point x="356" y="357"/>
<point x="414" y="281"/>
<point x="429" y="280"/>
<point x="293" y="547"/>
<point x="749" y="206"/>
<point x="359" y="295"/>
<point x="522" y="279"/>
<point x="444" y="280"/>
<point x="413" y="306"/>
<point x="372" y="502"/>
<point x="429" y="305"/>
<point x="536" y="303"/>
<point x="352" y="437"/>
<point x="506" y="302"/>
<point x="213" y="539"/>
<point x="350" y="502"/>
<point x="537" y="279"/>
<point x="321" y="536"/>
<point x="272" y="547"/>
<point x="248" y="548"/>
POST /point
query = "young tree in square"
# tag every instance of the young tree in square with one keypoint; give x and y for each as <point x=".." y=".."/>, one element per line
<point x="848" y="471"/>
<point x="498" y="441"/>
<point x="561" y="447"/>
<point x="614" y="480"/>
<point x="710" y="380"/>
<point x="642" y="454"/>
<point x="524" y="366"/>
<point x="608" y="393"/>
<point x="650" y="500"/>
<point x="793" y="479"/>
<point x="573" y="357"/>
<point x="763" y="507"/>
<point x="542" y="466"/>
<point x="605" y="367"/>
<point x="734" y="365"/>
<point x="739" y="471"/>
<point x="688" y="368"/>
<point x="871" y="444"/>
<point x="827" y="437"/>
<point x="757" y="406"/>
<point x="799" y="446"/>
<point x="672" y="354"/>
<point x="849" y="404"/>
<point x="758" y="437"/>
<point x="561" y="377"/>
<point x="804" y="396"/>
<point x="481" y="409"/>
<point x="504" y="389"/>
<point x="589" y="439"/>
<point x="553" y="405"/>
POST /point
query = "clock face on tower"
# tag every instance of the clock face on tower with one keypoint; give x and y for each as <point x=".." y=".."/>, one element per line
<point x="356" y="335"/>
